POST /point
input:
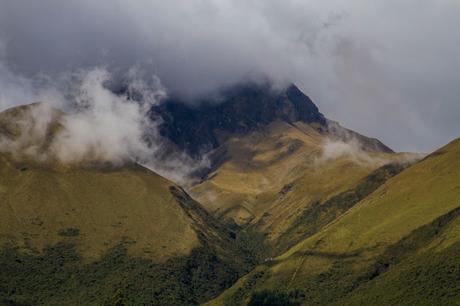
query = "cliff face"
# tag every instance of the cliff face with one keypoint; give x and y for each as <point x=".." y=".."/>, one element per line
<point x="240" y="109"/>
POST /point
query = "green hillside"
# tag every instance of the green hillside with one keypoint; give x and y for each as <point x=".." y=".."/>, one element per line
<point x="397" y="246"/>
<point x="363" y="227"/>
<point x="96" y="233"/>
<point x="269" y="181"/>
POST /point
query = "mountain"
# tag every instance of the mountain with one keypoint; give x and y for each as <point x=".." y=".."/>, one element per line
<point x="200" y="126"/>
<point x="94" y="233"/>
<point x="397" y="246"/>
<point x="294" y="209"/>
<point x="274" y="159"/>
<point x="266" y="180"/>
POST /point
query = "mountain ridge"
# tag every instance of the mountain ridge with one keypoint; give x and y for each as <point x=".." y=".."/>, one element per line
<point x="242" y="109"/>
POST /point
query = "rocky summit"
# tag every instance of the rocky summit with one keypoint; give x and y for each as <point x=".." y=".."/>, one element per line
<point x="196" y="127"/>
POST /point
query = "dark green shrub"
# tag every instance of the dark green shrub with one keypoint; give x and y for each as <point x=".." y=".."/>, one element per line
<point x="272" y="298"/>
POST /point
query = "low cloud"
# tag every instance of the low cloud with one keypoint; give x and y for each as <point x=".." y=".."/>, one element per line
<point x="104" y="126"/>
<point x="82" y="121"/>
<point x="352" y="149"/>
<point x="24" y="134"/>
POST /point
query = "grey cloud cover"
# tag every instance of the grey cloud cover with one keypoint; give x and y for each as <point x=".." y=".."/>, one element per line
<point x="386" y="68"/>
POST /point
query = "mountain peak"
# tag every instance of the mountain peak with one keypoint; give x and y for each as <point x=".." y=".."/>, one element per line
<point x="238" y="109"/>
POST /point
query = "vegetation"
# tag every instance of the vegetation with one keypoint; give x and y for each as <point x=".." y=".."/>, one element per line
<point x="59" y="276"/>
<point x="69" y="232"/>
<point x="94" y="234"/>
<point x="271" y="298"/>
<point x="416" y="270"/>
<point x="413" y="271"/>
<point x="316" y="217"/>
<point x="41" y="206"/>
<point x="267" y="179"/>
<point x="184" y="262"/>
<point x="108" y="235"/>
<point x="397" y="246"/>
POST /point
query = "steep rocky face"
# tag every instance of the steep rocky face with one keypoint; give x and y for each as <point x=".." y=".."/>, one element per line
<point x="194" y="127"/>
<point x="240" y="109"/>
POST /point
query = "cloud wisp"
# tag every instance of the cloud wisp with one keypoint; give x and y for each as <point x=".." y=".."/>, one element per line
<point x="97" y="125"/>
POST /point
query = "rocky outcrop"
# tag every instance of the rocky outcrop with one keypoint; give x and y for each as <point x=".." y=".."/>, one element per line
<point x="239" y="109"/>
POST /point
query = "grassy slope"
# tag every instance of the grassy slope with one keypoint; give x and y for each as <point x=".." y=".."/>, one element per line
<point x="339" y="262"/>
<point x="314" y="218"/>
<point x="422" y="269"/>
<point x="270" y="177"/>
<point x="106" y="206"/>
<point x="136" y="267"/>
<point x="42" y="199"/>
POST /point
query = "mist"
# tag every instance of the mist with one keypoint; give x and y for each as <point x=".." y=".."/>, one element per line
<point x="78" y="120"/>
<point x="386" y="69"/>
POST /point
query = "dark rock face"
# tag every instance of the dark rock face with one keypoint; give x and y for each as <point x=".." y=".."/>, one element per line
<point x="239" y="109"/>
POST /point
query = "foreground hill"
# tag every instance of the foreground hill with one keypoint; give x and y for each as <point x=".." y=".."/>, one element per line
<point x="98" y="233"/>
<point x="397" y="246"/>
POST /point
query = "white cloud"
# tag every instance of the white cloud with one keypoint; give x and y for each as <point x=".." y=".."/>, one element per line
<point x="97" y="126"/>
<point x="104" y="127"/>
<point x="335" y="149"/>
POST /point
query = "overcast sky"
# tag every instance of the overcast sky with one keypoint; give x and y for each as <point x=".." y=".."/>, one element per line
<point x="385" y="68"/>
